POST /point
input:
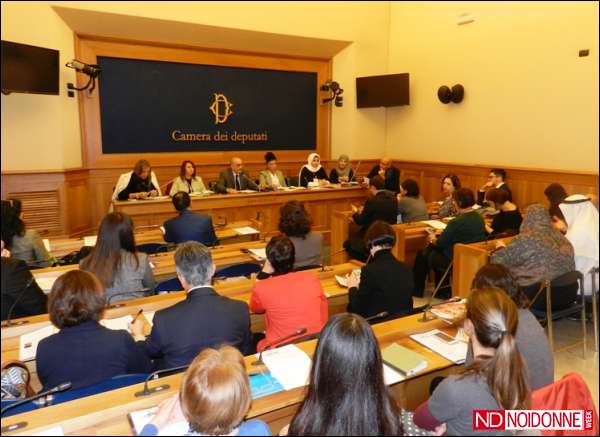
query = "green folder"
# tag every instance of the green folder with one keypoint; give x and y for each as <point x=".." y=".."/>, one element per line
<point x="403" y="360"/>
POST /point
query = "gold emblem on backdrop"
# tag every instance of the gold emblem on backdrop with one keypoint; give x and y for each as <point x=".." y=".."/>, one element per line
<point x="221" y="108"/>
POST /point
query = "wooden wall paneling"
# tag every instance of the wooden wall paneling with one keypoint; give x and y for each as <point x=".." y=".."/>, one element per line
<point x="79" y="219"/>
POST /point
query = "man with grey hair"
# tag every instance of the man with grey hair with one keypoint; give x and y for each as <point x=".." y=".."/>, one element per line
<point x="234" y="179"/>
<point x="203" y="320"/>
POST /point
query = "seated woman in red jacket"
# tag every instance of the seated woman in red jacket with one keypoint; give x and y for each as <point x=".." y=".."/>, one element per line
<point x="290" y="300"/>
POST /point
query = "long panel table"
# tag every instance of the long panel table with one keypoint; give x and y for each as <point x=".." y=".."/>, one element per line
<point x="263" y="206"/>
<point x="106" y="413"/>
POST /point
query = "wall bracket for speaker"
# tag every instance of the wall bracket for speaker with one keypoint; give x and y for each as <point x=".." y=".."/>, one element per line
<point x="447" y="95"/>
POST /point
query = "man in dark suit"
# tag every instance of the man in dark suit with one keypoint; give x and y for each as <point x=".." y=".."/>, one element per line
<point x="495" y="180"/>
<point x="234" y="179"/>
<point x="389" y="173"/>
<point x="20" y="292"/>
<point x="382" y="205"/>
<point x="189" y="226"/>
<point x="203" y="320"/>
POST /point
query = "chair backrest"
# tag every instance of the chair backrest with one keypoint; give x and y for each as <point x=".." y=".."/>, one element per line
<point x="293" y="181"/>
<point x="70" y="395"/>
<point x="244" y="269"/>
<point x="170" y="285"/>
<point x="569" y="393"/>
<point x="167" y="191"/>
<point x="568" y="278"/>
<point x="152" y="248"/>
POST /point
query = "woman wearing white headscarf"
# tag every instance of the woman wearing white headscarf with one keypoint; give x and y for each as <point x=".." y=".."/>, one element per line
<point x="312" y="174"/>
<point x="581" y="218"/>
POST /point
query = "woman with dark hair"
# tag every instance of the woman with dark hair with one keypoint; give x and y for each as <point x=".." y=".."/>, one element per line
<point x="123" y="271"/>
<point x="508" y="219"/>
<point x="83" y="352"/>
<point x="450" y="183"/>
<point x="496" y="380"/>
<point x="467" y="227"/>
<point x="24" y="244"/>
<point x="531" y="338"/>
<point x="342" y="172"/>
<point x="187" y="181"/>
<point x="137" y="184"/>
<point x="555" y="193"/>
<point x="295" y="223"/>
<point x="271" y="178"/>
<point x="347" y="394"/>
<point x="411" y="205"/>
<point x="290" y="300"/>
<point x="386" y="284"/>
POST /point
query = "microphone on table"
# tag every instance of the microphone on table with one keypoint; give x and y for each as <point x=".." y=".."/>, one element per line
<point x="430" y="303"/>
<point x="148" y="391"/>
<point x="259" y="361"/>
<point x="323" y="266"/>
<point x="61" y="387"/>
<point x="381" y="315"/>
<point x="355" y="171"/>
<point x="12" y="308"/>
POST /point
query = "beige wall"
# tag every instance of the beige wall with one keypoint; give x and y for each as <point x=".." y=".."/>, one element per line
<point x="55" y="142"/>
<point x="530" y="101"/>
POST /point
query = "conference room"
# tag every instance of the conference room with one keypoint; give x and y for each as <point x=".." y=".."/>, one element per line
<point x="299" y="218"/>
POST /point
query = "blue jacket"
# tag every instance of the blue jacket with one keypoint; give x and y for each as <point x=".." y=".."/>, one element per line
<point x="87" y="354"/>
<point x="189" y="226"/>
<point x="203" y="320"/>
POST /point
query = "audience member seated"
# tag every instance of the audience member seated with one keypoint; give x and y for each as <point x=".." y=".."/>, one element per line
<point x="411" y="205"/>
<point x="467" y="227"/>
<point x="137" y="184"/>
<point x="204" y="319"/>
<point x="271" y="178"/>
<point x="312" y="174"/>
<point x="347" y="394"/>
<point x="531" y="338"/>
<point x="581" y="220"/>
<point x="555" y="193"/>
<point x="24" y="244"/>
<point x="295" y="223"/>
<point x="496" y="179"/>
<point x="508" y="218"/>
<point x="450" y="183"/>
<point x="235" y="179"/>
<point x="539" y="252"/>
<point x="188" y="225"/>
<point x="290" y="300"/>
<point x="389" y="174"/>
<point x="213" y="399"/>
<point x="381" y="205"/>
<point x="21" y="295"/>
<point x="187" y="181"/>
<point x="386" y="284"/>
<point x="496" y="380"/>
<point x="342" y="172"/>
<point x="123" y="271"/>
<point x="83" y="352"/>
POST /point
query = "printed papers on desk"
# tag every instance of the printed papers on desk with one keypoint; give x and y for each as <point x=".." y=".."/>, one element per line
<point x="456" y="352"/>
<point x="289" y="365"/>
<point x="246" y="230"/>
<point x="435" y="224"/>
<point x="258" y="254"/>
<point x="141" y="418"/>
<point x="450" y="311"/>
<point x="90" y="241"/>
<point x="46" y="283"/>
<point x="263" y="384"/>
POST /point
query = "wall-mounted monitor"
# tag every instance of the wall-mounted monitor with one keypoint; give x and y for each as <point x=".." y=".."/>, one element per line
<point x="378" y="91"/>
<point x="29" y="69"/>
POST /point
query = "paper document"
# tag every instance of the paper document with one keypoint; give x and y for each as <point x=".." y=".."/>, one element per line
<point x="247" y="191"/>
<point x="46" y="244"/>
<point x="28" y="343"/>
<point x="150" y="317"/>
<point x="390" y="376"/>
<point x="342" y="280"/>
<point x="90" y="241"/>
<point x="264" y="384"/>
<point x="259" y="254"/>
<point x="246" y="230"/>
<point x="118" y="323"/>
<point x="456" y="352"/>
<point x="289" y="365"/>
<point x="435" y="224"/>
<point x="46" y="283"/>
<point x="54" y="431"/>
<point x="141" y="418"/>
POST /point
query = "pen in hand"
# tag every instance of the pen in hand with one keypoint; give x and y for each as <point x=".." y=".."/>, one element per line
<point x="137" y="315"/>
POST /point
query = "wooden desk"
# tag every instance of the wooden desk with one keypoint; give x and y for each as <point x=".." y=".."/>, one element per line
<point x="467" y="260"/>
<point x="410" y="238"/>
<point x="263" y="206"/>
<point x="226" y="235"/>
<point x="106" y="413"/>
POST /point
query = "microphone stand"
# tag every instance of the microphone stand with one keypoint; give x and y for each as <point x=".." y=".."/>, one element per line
<point x="430" y="303"/>
<point x="259" y="361"/>
<point x="10" y="311"/>
<point x="146" y="391"/>
<point x="325" y="268"/>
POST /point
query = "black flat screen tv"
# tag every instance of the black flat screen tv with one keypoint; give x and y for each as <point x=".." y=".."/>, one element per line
<point x="378" y="91"/>
<point x="29" y="69"/>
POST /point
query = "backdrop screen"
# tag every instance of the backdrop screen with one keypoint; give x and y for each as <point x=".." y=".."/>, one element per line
<point x="156" y="106"/>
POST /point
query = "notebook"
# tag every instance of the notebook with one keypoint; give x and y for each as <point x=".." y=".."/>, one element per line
<point x="264" y="384"/>
<point x="404" y="360"/>
<point x="28" y="343"/>
<point x="140" y="418"/>
<point x="456" y="352"/>
<point x="246" y="230"/>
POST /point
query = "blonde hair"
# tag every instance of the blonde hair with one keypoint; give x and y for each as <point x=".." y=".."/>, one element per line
<point x="495" y="319"/>
<point x="215" y="392"/>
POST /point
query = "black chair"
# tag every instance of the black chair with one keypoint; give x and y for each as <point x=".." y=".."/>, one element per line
<point x="152" y="248"/>
<point x="567" y="287"/>
<point x="243" y="269"/>
<point x="293" y="181"/>
<point x="169" y="286"/>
